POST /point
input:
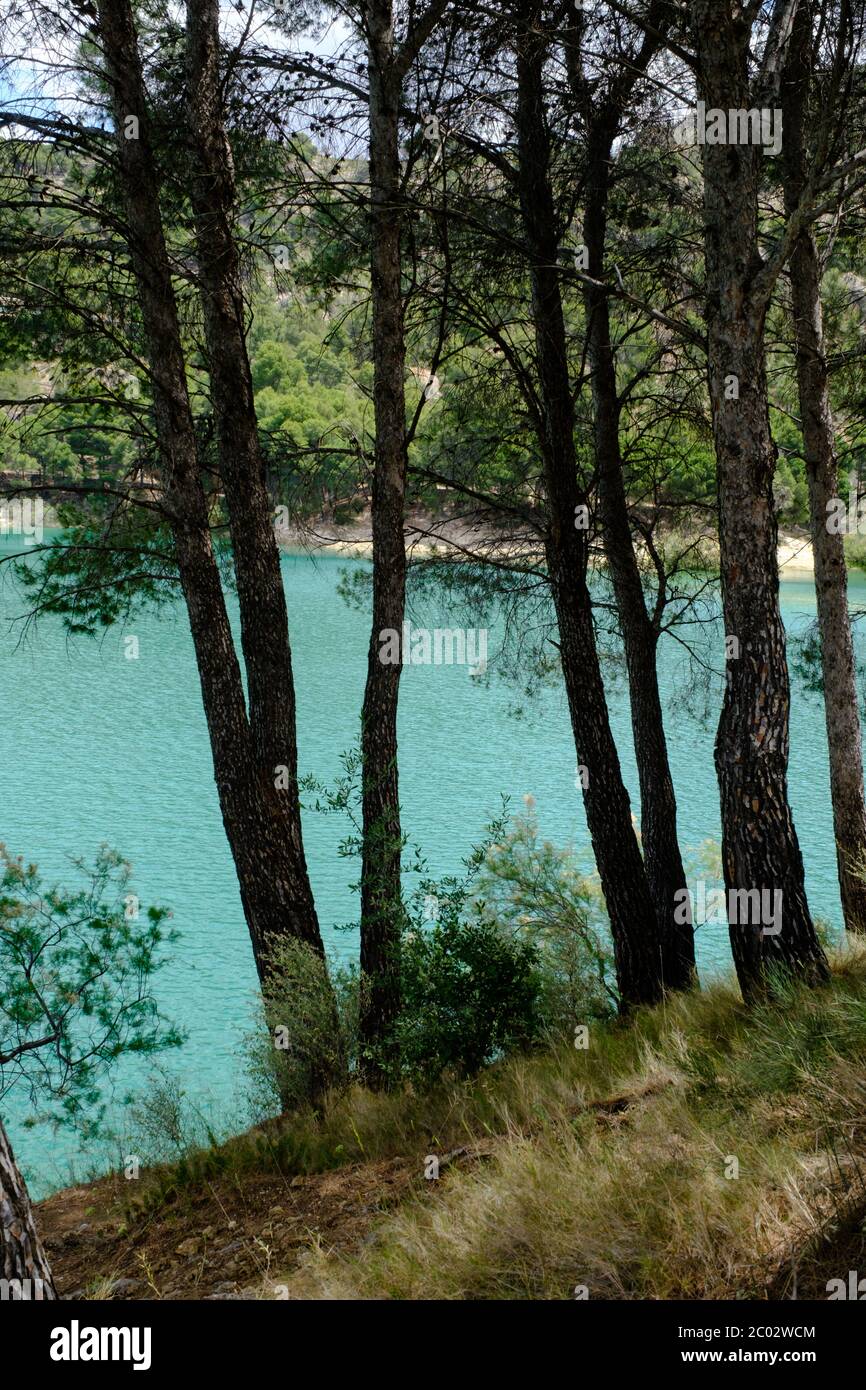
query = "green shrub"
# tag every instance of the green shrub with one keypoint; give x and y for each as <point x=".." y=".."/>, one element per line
<point x="469" y="995"/>
<point x="162" y="1122"/>
<point x="508" y="955"/>
<point x="534" y="893"/>
<point x="306" y="1032"/>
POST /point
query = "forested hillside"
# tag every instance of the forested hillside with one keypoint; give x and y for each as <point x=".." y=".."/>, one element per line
<point x="312" y="376"/>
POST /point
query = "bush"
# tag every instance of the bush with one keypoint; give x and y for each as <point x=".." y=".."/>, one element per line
<point x="511" y="954"/>
<point x="518" y="953"/>
<point x="533" y="892"/>
<point x="469" y="995"/>
<point x="307" y="1029"/>
<point x="163" y="1124"/>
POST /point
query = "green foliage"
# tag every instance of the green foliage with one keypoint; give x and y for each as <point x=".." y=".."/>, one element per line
<point x="480" y="977"/>
<point x="297" y="1042"/>
<point x="469" y="994"/>
<point x="163" y="1123"/>
<point x="100" y="570"/>
<point x="76" y="969"/>
<point x="534" y="893"/>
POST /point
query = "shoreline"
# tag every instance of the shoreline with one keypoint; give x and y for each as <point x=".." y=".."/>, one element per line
<point x="455" y="539"/>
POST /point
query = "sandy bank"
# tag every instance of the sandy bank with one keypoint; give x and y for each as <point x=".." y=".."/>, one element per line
<point x="455" y="536"/>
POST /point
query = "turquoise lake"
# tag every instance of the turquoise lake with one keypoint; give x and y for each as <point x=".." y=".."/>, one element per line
<point x="97" y="748"/>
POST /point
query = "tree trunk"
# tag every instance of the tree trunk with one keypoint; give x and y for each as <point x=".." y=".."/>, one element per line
<point x="381" y="893"/>
<point x="254" y="813"/>
<point x="634" y="928"/>
<point x="819" y="444"/>
<point x="664" y="865"/>
<point x="24" y="1259"/>
<point x="261" y="595"/>
<point x="760" y="849"/>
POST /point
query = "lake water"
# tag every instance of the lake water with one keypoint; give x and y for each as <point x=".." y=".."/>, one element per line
<point x="97" y="748"/>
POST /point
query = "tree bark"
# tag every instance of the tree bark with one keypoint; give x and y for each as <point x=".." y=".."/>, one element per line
<point x="634" y="928"/>
<point x="819" y="443"/>
<point x="381" y="892"/>
<point x="760" y="849"/>
<point x="24" y="1259"/>
<point x="261" y="594"/>
<point x="254" y="813"/>
<point x="661" y="848"/>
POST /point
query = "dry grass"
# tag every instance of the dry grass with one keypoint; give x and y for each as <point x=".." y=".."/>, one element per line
<point x="614" y="1167"/>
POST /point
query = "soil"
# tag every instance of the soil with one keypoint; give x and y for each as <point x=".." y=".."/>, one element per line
<point x="230" y="1238"/>
<point x="221" y="1241"/>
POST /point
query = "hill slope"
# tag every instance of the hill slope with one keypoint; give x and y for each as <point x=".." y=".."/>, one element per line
<point x="699" y="1151"/>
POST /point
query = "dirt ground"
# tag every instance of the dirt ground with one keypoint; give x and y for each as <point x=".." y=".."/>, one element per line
<point x="228" y="1238"/>
<point x="224" y="1241"/>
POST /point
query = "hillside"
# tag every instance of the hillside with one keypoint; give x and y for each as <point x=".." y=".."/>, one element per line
<point x="696" y="1152"/>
